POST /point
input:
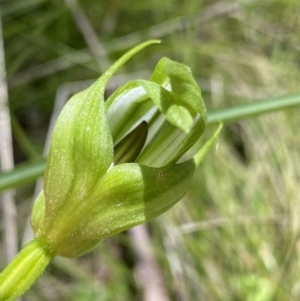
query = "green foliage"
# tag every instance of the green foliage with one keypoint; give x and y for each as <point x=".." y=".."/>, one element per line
<point x="238" y="227"/>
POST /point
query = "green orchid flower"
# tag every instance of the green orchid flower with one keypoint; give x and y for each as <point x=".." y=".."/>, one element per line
<point x="113" y="165"/>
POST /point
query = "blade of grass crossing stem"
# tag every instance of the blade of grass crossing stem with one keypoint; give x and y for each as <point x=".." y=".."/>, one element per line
<point x="29" y="172"/>
<point x="252" y="109"/>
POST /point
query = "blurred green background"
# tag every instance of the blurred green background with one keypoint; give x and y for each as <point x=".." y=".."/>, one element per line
<point x="235" y="236"/>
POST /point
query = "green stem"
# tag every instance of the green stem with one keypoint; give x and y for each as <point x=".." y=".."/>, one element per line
<point x="23" y="271"/>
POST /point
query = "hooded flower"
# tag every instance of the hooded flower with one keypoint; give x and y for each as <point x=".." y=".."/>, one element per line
<point x="113" y="165"/>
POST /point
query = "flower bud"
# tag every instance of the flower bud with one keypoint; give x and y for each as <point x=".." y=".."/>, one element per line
<point x="112" y="165"/>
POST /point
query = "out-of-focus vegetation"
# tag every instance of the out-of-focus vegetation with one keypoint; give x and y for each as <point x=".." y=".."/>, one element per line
<point x="235" y="236"/>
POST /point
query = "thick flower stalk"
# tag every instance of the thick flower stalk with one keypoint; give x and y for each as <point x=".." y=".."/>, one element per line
<point x="112" y="165"/>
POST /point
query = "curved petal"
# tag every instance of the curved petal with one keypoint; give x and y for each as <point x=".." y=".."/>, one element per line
<point x="171" y="104"/>
<point x="128" y="106"/>
<point x="179" y="79"/>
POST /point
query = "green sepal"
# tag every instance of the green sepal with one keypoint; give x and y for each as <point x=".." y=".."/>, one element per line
<point x="132" y="194"/>
<point x="38" y="212"/>
<point x="61" y="243"/>
<point x="199" y="156"/>
<point x="81" y="151"/>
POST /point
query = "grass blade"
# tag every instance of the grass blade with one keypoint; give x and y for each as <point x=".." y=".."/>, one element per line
<point x="29" y="172"/>
<point x="23" y="174"/>
<point x="252" y="109"/>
